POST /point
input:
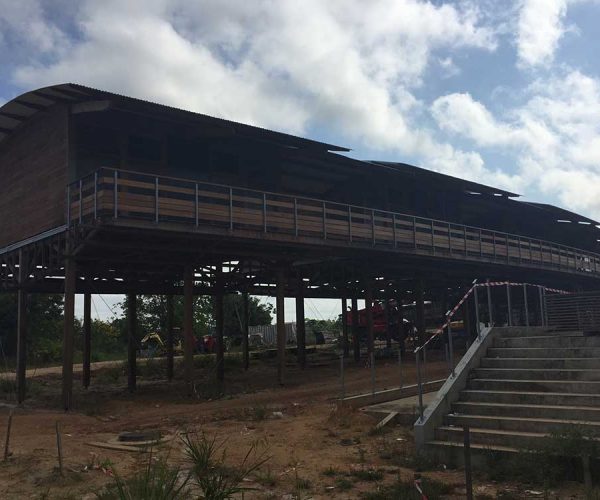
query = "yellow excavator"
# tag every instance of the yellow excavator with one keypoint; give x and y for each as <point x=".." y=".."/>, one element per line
<point x="152" y="345"/>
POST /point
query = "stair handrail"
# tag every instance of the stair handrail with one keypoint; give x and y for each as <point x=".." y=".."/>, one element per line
<point x="446" y="327"/>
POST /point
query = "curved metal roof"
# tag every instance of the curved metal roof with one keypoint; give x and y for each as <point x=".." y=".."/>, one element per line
<point x="22" y="108"/>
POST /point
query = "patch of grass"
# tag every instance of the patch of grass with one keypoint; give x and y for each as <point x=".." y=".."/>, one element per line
<point x="403" y="454"/>
<point x="111" y="375"/>
<point x="330" y="472"/>
<point x="303" y="484"/>
<point x="405" y="490"/>
<point x="343" y="484"/>
<point x="152" y="368"/>
<point x="379" y="431"/>
<point x="265" y="478"/>
<point x="258" y="413"/>
<point x="370" y="475"/>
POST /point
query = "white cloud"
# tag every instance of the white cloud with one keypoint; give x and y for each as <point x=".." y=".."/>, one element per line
<point x="554" y="134"/>
<point x="284" y="65"/>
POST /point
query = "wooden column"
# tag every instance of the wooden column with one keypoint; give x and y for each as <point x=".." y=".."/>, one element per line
<point x="301" y="326"/>
<point x="131" y="342"/>
<point x="69" y="317"/>
<point x="219" y="323"/>
<point x="169" y="326"/>
<point x="22" y="330"/>
<point x="388" y="326"/>
<point x="345" y="346"/>
<point x="420" y="310"/>
<point x="188" y="329"/>
<point x="246" y="328"/>
<point x="355" y="330"/>
<point x="87" y="339"/>
<point x="369" y="314"/>
<point x="281" y="335"/>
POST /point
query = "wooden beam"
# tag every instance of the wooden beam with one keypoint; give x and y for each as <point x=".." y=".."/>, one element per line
<point x="69" y="318"/>
<point x="220" y="324"/>
<point x="355" y="330"/>
<point x="169" y="326"/>
<point x="246" y="332"/>
<point x="188" y="328"/>
<point x="131" y="341"/>
<point x="281" y="334"/>
<point x="87" y="339"/>
<point x="22" y="330"/>
<point x="301" y="326"/>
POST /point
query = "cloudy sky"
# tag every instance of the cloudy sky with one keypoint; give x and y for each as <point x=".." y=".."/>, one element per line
<point x="505" y="92"/>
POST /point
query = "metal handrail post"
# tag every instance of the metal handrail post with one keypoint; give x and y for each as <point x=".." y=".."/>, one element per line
<point x="508" y="304"/>
<point x="450" y="348"/>
<point x="489" y="299"/>
<point x="477" y="325"/>
<point x="526" y="306"/>
<point x="541" y="306"/>
<point x="419" y="384"/>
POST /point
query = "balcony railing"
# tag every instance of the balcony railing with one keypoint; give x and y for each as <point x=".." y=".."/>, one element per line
<point x="110" y="194"/>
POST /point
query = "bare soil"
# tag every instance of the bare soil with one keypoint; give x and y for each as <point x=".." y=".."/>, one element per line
<point x="315" y="447"/>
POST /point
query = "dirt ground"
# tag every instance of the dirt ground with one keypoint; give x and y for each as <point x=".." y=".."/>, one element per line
<point x="315" y="448"/>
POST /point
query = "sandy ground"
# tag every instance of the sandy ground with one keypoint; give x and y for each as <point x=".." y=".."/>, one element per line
<point x="313" y="446"/>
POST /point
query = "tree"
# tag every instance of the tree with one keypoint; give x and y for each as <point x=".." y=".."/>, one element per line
<point x="233" y="312"/>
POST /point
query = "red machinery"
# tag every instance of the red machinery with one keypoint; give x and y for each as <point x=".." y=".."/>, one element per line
<point x="379" y="321"/>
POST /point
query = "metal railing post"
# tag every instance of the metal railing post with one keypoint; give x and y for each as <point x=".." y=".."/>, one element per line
<point x="116" y="194"/>
<point x="450" y="347"/>
<point x="95" y="195"/>
<point x="476" y="299"/>
<point x="419" y="384"/>
<point x="508" y="305"/>
<point x="541" y="306"/>
<point x="80" y="200"/>
<point x="156" y="200"/>
<point x="525" y="302"/>
<point x="489" y="299"/>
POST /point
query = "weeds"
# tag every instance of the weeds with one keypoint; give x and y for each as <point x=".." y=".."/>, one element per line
<point x="405" y="490"/>
<point x="330" y="472"/>
<point x="343" y="484"/>
<point x="367" y="475"/>
<point x="265" y="478"/>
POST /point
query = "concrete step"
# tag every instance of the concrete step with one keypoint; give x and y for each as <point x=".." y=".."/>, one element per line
<point x="536" y="374"/>
<point x="569" y="386"/>
<point x="548" y="341"/>
<point x="514" y="410"/>
<point x="543" y="352"/>
<point x="523" y="424"/>
<point x="547" y="363"/>
<point x="512" y="332"/>
<point x="492" y="437"/>
<point x="532" y="398"/>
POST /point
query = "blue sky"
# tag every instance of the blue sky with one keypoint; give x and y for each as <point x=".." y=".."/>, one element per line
<point x="504" y="92"/>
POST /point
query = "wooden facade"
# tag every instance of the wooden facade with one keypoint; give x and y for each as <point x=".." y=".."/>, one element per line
<point x="109" y="194"/>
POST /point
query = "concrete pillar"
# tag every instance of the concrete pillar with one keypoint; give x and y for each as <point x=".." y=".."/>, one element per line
<point x="281" y="336"/>
<point x="355" y="330"/>
<point x="87" y="339"/>
<point x="246" y="330"/>
<point x="301" y="326"/>
<point x="420" y="310"/>
<point x="369" y="314"/>
<point x="220" y="325"/>
<point x="188" y="329"/>
<point x="345" y="345"/>
<point x="132" y="343"/>
<point x="69" y="316"/>
<point x="22" y="330"/>
<point x="170" y="341"/>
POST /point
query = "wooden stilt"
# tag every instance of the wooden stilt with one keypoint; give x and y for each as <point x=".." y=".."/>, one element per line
<point x="281" y="334"/>
<point x="246" y="330"/>
<point x="345" y="344"/>
<point x="169" y="327"/>
<point x="300" y="326"/>
<point x="22" y="330"/>
<point x="69" y="314"/>
<point x="131" y="342"/>
<point x="87" y="339"/>
<point x="369" y="313"/>
<point x="188" y="329"/>
<point x="220" y="325"/>
<point x="355" y="330"/>
<point x="420" y="311"/>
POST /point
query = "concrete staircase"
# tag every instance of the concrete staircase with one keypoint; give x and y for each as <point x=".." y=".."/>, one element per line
<point x="526" y="386"/>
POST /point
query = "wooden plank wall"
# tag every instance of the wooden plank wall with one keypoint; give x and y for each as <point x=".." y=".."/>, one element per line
<point x="33" y="176"/>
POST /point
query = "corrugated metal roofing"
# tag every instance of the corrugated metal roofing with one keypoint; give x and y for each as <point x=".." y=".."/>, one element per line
<point x="23" y="107"/>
